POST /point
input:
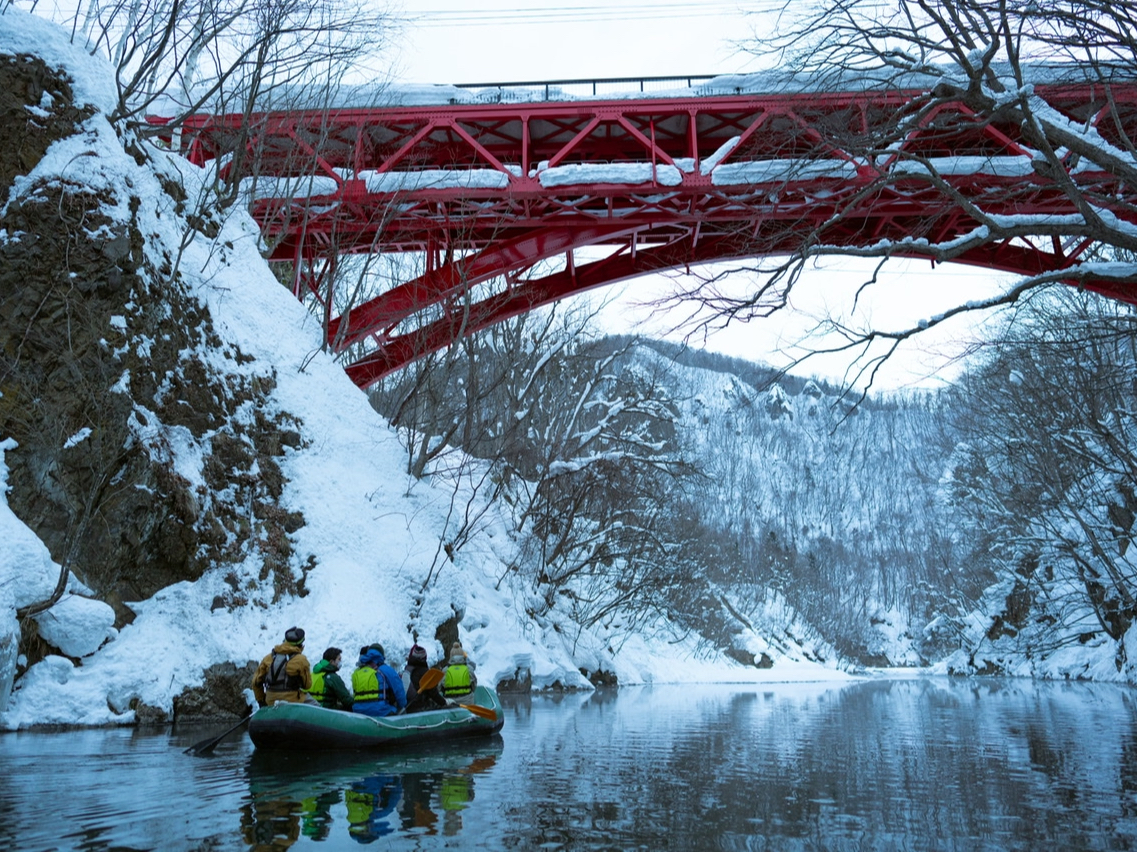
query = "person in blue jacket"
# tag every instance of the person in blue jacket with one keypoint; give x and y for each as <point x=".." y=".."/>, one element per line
<point x="377" y="687"/>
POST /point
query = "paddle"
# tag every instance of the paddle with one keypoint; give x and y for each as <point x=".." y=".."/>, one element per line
<point x="479" y="711"/>
<point x="430" y="679"/>
<point x="206" y="746"/>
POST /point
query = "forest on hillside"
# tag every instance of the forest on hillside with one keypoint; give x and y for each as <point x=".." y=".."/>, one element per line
<point x="992" y="517"/>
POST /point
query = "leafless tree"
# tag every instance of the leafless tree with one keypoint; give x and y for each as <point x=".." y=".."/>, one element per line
<point x="982" y="58"/>
<point x="178" y="57"/>
<point x="1047" y="477"/>
<point x="538" y="415"/>
<point x="596" y="495"/>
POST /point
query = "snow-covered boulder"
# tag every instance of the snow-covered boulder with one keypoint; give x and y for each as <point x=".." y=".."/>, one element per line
<point x="778" y="403"/>
<point x="76" y="625"/>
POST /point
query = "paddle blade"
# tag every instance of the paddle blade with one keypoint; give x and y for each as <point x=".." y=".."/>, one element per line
<point x="479" y="711"/>
<point x="206" y="746"/>
<point x="430" y="679"/>
<point x="203" y="747"/>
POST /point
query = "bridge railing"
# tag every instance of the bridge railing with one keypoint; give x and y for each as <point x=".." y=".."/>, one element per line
<point x="576" y="89"/>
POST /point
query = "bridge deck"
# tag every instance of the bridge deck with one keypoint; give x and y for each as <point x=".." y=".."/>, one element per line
<point x="487" y="190"/>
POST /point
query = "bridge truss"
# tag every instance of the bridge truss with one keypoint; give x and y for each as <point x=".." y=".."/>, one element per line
<point x="486" y="193"/>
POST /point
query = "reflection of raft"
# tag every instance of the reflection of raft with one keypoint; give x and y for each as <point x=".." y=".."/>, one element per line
<point x="293" y="725"/>
<point x="280" y="773"/>
<point x="419" y="786"/>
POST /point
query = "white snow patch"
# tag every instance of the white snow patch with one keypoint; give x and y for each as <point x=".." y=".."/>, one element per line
<point x="79" y="437"/>
<point x="77" y="626"/>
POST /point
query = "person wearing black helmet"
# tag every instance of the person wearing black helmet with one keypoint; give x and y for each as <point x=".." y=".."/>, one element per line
<point x="284" y="675"/>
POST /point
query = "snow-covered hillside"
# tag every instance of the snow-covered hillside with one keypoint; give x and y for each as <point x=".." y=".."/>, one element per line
<point x="372" y="531"/>
<point x="834" y="506"/>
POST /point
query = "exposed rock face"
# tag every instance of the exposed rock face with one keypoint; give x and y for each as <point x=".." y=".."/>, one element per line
<point x="107" y="362"/>
<point x="24" y="80"/>
<point x="220" y="697"/>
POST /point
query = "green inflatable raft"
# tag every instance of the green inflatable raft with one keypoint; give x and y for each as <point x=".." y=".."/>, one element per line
<point x="297" y="726"/>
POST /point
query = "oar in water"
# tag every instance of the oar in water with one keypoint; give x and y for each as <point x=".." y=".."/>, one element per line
<point x="433" y="677"/>
<point x="206" y="746"/>
<point x="479" y="711"/>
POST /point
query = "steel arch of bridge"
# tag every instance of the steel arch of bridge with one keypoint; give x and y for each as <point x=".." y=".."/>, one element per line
<point x="486" y="192"/>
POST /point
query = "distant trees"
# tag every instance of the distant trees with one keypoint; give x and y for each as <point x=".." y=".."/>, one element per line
<point x="837" y="514"/>
<point x="638" y="487"/>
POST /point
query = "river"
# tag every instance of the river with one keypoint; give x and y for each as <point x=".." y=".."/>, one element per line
<point x="890" y="764"/>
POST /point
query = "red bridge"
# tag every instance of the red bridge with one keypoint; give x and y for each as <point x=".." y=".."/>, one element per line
<point x="486" y="192"/>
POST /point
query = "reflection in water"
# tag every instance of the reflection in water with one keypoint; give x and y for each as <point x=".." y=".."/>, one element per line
<point x="382" y="793"/>
<point x="369" y="801"/>
<point x="315" y="815"/>
<point x="912" y="764"/>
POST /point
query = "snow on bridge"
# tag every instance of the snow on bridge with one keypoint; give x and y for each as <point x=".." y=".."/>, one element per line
<point x="486" y="182"/>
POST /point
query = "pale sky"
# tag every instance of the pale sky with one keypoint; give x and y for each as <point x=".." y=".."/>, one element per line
<point x="497" y="41"/>
<point x="449" y="41"/>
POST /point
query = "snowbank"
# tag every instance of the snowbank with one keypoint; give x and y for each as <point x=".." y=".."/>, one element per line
<point x="27" y="575"/>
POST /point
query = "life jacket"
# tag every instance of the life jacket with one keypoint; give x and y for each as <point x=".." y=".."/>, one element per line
<point x="278" y="680"/>
<point x="456" y="680"/>
<point x="319" y="690"/>
<point x="368" y="686"/>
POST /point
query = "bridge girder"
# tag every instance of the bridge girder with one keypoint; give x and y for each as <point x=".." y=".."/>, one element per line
<point x="486" y="192"/>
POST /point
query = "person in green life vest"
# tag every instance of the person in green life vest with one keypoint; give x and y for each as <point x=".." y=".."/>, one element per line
<point x="458" y="679"/>
<point x="327" y="686"/>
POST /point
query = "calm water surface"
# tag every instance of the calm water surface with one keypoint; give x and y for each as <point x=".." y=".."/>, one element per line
<point x="914" y="764"/>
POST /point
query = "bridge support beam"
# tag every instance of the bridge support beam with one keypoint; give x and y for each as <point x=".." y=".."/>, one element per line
<point x="664" y="183"/>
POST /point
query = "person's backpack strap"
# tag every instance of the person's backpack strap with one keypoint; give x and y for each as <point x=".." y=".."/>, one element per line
<point x="278" y="677"/>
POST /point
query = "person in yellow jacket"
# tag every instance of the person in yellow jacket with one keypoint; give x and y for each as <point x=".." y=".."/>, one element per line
<point x="284" y="675"/>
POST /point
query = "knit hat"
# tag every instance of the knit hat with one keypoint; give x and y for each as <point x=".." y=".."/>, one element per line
<point x="417" y="655"/>
<point x="456" y="651"/>
<point x="294" y="636"/>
